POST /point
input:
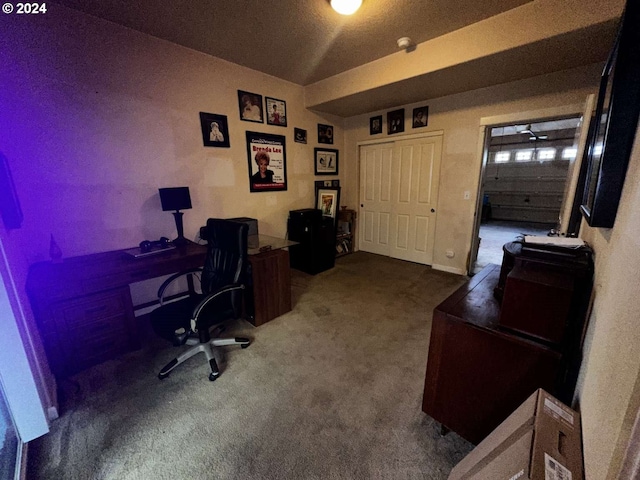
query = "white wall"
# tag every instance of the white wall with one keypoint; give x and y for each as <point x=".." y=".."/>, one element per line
<point x="97" y="117"/>
<point x="609" y="386"/>
<point x="459" y="117"/>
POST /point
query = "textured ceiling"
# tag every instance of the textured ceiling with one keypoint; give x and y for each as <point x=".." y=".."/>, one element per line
<point x="301" y="41"/>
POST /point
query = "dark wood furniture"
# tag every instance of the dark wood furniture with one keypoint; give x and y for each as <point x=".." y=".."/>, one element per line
<point x="83" y="305"/>
<point x="270" y="286"/>
<point x="507" y="332"/>
<point x="477" y="373"/>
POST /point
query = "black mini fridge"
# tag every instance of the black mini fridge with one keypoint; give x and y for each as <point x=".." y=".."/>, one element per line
<point x="316" y="251"/>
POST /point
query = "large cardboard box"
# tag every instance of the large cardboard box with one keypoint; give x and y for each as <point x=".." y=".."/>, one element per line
<point x="541" y="440"/>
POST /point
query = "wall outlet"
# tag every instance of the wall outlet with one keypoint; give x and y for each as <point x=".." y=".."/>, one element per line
<point x="467" y="194"/>
<point x="450" y="253"/>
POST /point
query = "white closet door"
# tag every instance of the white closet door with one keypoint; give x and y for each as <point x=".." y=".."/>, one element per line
<point x="415" y="177"/>
<point x="375" y="198"/>
<point x="398" y="197"/>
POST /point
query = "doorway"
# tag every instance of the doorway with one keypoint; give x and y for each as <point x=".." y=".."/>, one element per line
<point x="398" y="195"/>
<point x="523" y="184"/>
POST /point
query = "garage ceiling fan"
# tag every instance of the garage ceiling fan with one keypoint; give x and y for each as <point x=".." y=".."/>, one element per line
<point x="532" y="135"/>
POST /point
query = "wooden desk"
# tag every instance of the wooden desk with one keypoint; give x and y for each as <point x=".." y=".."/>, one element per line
<point x="83" y="305"/>
<point x="477" y="374"/>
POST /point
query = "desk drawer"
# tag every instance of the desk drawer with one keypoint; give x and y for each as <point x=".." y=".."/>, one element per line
<point x="84" y="311"/>
<point x="93" y="347"/>
<point x="85" y="331"/>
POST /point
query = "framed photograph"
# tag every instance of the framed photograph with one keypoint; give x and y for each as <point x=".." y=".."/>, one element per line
<point x="267" y="162"/>
<point x="611" y="138"/>
<point x="326" y="161"/>
<point x="276" y="111"/>
<point x="299" y="135"/>
<point x="375" y="125"/>
<point x="420" y="116"/>
<point x="325" y="134"/>
<point x="250" y="105"/>
<point x="395" y="121"/>
<point x="328" y="201"/>
<point x="215" y="130"/>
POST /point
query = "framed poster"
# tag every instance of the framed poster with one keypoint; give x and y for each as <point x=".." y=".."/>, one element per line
<point x="325" y="134"/>
<point x="420" y="116"/>
<point x="328" y="201"/>
<point x="395" y="121"/>
<point x="250" y="105"/>
<point x="325" y="161"/>
<point x="375" y="125"/>
<point x="300" y="135"/>
<point x="215" y="130"/>
<point x="267" y="162"/>
<point x="276" y="111"/>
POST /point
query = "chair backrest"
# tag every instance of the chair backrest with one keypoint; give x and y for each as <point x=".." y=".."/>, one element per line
<point x="226" y="253"/>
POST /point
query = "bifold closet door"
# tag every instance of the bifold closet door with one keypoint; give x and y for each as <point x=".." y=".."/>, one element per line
<point x="398" y="196"/>
<point x="414" y="191"/>
<point x="375" y="197"/>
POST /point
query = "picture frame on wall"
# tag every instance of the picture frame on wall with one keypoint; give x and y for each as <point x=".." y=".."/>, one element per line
<point x="325" y="134"/>
<point x="420" y="116"/>
<point x="267" y="162"/>
<point x="325" y="161"/>
<point x="395" y="121"/>
<point x="328" y="202"/>
<point x="250" y="105"/>
<point x="276" y="111"/>
<point x="299" y="135"/>
<point x="612" y="135"/>
<point x="375" y="125"/>
<point x="215" y="130"/>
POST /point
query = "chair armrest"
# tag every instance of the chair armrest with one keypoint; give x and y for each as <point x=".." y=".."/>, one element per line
<point x="173" y="278"/>
<point x="209" y="298"/>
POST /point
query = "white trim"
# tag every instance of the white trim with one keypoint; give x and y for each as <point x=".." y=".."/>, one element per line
<point x="445" y="268"/>
<point x="538" y="115"/>
<point x="395" y="138"/>
<point x="16" y="377"/>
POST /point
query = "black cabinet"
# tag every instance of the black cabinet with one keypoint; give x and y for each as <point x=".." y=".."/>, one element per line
<point x="316" y="235"/>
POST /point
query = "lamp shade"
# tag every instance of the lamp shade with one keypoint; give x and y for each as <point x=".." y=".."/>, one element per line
<point x="346" y="7"/>
<point x="175" y="198"/>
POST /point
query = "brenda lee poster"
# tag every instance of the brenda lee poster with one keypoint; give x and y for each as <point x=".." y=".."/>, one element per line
<point x="267" y="162"/>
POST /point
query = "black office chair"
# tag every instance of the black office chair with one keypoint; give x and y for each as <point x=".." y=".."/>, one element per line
<point x="189" y="320"/>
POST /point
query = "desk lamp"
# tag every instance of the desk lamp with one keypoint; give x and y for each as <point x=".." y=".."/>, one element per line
<point x="176" y="198"/>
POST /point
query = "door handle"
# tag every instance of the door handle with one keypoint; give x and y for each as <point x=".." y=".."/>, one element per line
<point x="362" y="205"/>
<point x="433" y="210"/>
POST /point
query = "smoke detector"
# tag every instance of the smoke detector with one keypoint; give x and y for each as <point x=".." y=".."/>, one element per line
<point x="404" y="42"/>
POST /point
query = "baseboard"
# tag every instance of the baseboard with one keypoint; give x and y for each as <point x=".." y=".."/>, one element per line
<point x="444" y="268"/>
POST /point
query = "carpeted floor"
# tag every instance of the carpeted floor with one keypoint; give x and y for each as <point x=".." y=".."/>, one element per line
<point x="331" y="390"/>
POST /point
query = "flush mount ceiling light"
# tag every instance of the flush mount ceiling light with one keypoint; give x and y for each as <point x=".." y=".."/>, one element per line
<point x="346" y="7"/>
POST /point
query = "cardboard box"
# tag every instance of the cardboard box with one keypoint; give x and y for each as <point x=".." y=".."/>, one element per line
<point x="541" y="440"/>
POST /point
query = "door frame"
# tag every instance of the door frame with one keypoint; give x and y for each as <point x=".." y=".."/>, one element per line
<point x="388" y="139"/>
<point x="486" y="123"/>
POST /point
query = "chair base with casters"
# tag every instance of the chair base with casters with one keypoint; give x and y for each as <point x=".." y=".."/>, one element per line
<point x="207" y="349"/>
<point x="196" y="320"/>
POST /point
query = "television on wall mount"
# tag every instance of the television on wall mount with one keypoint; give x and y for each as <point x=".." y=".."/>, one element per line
<point x="611" y="140"/>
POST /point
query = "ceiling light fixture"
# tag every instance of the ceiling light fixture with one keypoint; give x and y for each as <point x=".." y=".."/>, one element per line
<point x="346" y="7"/>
